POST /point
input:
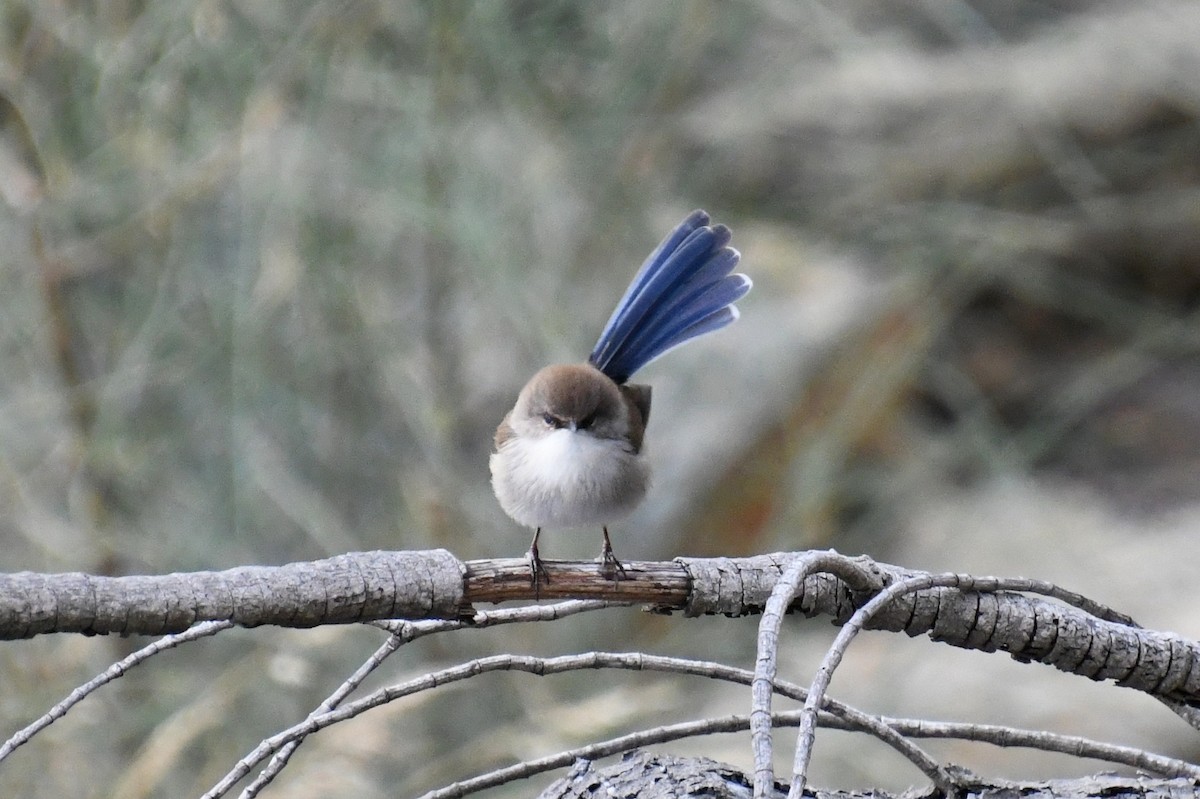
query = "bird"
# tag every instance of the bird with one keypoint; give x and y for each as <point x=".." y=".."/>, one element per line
<point x="571" y="452"/>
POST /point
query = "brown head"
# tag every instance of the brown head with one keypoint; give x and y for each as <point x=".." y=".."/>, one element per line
<point x="579" y="397"/>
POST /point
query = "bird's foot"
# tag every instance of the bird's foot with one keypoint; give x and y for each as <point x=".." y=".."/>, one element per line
<point x="609" y="565"/>
<point x="537" y="571"/>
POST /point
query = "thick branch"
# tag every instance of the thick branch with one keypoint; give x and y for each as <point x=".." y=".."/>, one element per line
<point x="1075" y="636"/>
<point x="359" y="586"/>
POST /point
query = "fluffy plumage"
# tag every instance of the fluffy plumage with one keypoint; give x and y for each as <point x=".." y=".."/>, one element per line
<point x="569" y="453"/>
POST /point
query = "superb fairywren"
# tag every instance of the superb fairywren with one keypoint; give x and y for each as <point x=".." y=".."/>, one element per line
<point x="569" y="453"/>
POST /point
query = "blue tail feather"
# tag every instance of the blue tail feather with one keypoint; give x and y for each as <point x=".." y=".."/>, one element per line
<point x="711" y="286"/>
<point x="696" y="316"/>
<point x="650" y="268"/>
<point x="713" y="322"/>
<point x="654" y="283"/>
<point x="683" y="290"/>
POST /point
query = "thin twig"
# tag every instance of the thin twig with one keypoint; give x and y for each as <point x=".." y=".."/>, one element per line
<point x="1026" y="585"/>
<point x="623" y="743"/>
<point x="545" y="612"/>
<point x="544" y="666"/>
<point x="472" y="668"/>
<point x="833" y="657"/>
<point x="852" y="718"/>
<point x="999" y="736"/>
<point x="765" y="663"/>
<point x="1078" y="746"/>
<point x="280" y="760"/>
<point x="118" y="669"/>
<point x="765" y="670"/>
<point x="837" y="649"/>
<point x="403" y="632"/>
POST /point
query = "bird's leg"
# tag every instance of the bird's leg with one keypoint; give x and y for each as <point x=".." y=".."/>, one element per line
<point x="608" y="561"/>
<point x="537" y="569"/>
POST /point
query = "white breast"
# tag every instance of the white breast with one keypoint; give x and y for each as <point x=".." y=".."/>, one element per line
<point x="567" y="479"/>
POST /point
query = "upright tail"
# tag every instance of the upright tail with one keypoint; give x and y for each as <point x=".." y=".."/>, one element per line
<point x="683" y="290"/>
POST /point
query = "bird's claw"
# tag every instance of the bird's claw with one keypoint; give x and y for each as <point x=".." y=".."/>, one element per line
<point x="538" y="573"/>
<point x="609" y="565"/>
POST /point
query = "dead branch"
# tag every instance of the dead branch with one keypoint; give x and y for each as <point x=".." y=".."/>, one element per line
<point x="1072" y="633"/>
<point x="649" y="775"/>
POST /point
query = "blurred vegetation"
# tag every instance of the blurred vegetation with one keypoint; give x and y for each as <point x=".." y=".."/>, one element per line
<point x="275" y="270"/>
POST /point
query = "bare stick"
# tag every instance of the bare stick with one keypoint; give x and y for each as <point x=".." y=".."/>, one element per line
<point x="998" y="735"/>
<point x="403" y="632"/>
<point x="118" y="669"/>
<point x="543" y="666"/>
<point x="737" y="723"/>
<point x="765" y="665"/>
<point x="852" y="627"/>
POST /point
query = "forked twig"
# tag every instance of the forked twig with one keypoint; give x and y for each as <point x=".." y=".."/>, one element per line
<point x="403" y="632"/>
<point x="766" y="666"/>
<point x="544" y="666"/>
<point x="851" y="628"/>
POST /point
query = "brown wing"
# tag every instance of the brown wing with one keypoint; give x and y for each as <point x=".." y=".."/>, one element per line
<point x="504" y="432"/>
<point x="639" y="399"/>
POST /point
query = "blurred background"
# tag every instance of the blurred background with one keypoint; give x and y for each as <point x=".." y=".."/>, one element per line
<point x="275" y="270"/>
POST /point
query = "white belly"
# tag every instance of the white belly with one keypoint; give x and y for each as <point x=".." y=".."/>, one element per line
<point x="567" y="479"/>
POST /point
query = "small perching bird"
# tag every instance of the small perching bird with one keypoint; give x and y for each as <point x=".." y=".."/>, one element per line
<point x="569" y="453"/>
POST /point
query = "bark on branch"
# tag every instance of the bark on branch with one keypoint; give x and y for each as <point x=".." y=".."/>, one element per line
<point x="651" y="776"/>
<point x="1074" y="634"/>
